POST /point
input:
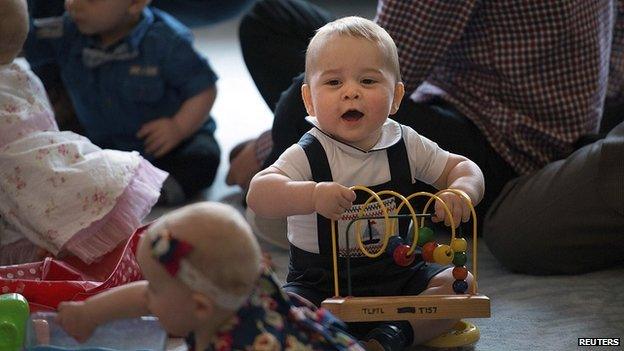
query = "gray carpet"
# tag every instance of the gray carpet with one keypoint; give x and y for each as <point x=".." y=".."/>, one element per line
<point x="548" y="312"/>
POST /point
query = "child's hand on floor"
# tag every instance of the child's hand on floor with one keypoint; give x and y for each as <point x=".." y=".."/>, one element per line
<point x="160" y="136"/>
<point x="74" y="319"/>
<point x="331" y="199"/>
<point x="458" y="207"/>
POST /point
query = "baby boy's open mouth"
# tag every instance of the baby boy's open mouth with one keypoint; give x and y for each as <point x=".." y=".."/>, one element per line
<point x="352" y="115"/>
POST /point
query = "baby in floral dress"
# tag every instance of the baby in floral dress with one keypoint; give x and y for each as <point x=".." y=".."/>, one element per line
<point x="205" y="281"/>
<point x="59" y="193"/>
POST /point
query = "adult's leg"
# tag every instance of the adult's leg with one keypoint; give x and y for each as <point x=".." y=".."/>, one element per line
<point x="274" y="36"/>
<point x="202" y="12"/>
<point x="289" y="123"/>
<point x="193" y="164"/>
<point x="565" y="218"/>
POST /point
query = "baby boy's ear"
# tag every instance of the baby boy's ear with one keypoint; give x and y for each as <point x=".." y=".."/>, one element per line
<point x="399" y="91"/>
<point x="204" y="307"/>
<point x="306" y="95"/>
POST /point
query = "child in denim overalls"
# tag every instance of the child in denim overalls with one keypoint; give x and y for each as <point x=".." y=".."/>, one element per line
<point x="352" y="85"/>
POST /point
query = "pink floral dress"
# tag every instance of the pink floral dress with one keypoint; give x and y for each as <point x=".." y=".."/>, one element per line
<point x="58" y="191"/>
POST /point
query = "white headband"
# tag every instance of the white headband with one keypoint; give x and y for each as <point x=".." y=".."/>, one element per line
<point x="173" y="258"/>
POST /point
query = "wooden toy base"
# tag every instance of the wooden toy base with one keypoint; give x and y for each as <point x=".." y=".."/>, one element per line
<point x="392" y="308"/>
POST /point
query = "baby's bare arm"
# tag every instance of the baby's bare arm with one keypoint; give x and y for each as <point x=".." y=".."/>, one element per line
<point x="462" y="174"/>
<point x="194" y="111"/>
<point x="79" y="319"/>
<point x="164" y="134"/>
<point x="273" y="194"/>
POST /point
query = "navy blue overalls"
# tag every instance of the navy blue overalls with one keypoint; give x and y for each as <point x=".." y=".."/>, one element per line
<point x="310" y="275"/>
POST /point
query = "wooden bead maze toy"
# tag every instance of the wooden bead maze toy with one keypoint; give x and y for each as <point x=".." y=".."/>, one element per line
<point x="463" y="304"/>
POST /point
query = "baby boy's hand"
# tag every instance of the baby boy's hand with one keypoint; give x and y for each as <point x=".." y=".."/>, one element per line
<point x="160" y="136"/>
<point x="74" y="319"/>
<point x="458" y="207"/>
<point x="331" y="199"/>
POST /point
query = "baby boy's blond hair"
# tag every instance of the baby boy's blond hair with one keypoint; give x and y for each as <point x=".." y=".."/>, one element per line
<point x="13" y="28"/>
<point x="356" y="27"/>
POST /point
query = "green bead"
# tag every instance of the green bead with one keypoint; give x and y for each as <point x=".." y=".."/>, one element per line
<point x="425" y="235"/>
<point x="459" y="258"/>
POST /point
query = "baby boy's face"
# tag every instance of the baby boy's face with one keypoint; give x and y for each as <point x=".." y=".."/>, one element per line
<point x="351" y="90"/>
<point x="95" y="17"/>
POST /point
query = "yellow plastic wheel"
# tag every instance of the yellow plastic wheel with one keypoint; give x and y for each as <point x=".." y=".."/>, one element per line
<point x="463" y="333"/>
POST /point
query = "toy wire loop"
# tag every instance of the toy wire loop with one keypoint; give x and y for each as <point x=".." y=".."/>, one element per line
<point x="390" y="225"/>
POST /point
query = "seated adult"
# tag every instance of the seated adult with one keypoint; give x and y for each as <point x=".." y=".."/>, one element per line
<point x="532" y="92"/>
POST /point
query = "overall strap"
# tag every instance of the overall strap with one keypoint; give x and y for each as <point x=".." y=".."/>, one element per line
<point x="400" y="173"/>
<point x="321" y="172"/>
<point x="401" y="177"/>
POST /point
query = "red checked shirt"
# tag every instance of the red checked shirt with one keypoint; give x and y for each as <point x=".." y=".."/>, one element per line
<point x="532" y="75"/>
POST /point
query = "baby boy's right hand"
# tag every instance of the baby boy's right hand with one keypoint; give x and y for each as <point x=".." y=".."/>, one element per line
<point x="74" y="319"/>
<point x="331" y="199"/>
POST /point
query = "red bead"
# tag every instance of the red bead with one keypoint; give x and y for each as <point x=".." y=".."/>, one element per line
<point x="460" y="273"/>
<point x="427" y="251"/>
<point x="393" y="243"/>
<point x="400" y="256"/>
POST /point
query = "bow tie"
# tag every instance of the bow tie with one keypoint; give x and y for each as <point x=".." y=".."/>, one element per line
<point x="93" y="57"/>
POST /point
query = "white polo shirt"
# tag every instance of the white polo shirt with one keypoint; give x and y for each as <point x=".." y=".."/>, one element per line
<point x="352" y="166"/>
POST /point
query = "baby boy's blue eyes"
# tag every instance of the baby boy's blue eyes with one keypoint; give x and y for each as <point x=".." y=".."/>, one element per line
<point x="335" y="82"/>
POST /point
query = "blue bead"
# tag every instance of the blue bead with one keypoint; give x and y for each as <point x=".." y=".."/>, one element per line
<point x="460" y="286"/>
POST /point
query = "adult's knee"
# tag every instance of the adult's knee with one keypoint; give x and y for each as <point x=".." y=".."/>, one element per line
<point x="524" y="247"/>
<point x="514" y="250"/>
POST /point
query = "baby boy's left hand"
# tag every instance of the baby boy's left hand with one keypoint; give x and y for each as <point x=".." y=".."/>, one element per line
<point x="458" y="207"/>
<point x="160" y="136"/>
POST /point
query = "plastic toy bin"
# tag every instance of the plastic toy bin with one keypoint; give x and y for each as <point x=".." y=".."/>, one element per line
<point x="144" y="333"/>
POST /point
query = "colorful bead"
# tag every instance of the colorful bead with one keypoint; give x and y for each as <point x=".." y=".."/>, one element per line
<point x="425" y="235"/>
<point x="460" y="273"/>
<point x="460" y="286"/>
<point x="443" y="254"/>
<point x="401" y="257"/>
<point x="459" y="258"/>
<point x="393" y="243"/>
<point x="459" y="244"/>
<point x="427" y="251"/>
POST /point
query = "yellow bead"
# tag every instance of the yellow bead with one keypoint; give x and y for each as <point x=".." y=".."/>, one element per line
<point x="443" y="255"/>
<point x="459" y="244"/>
